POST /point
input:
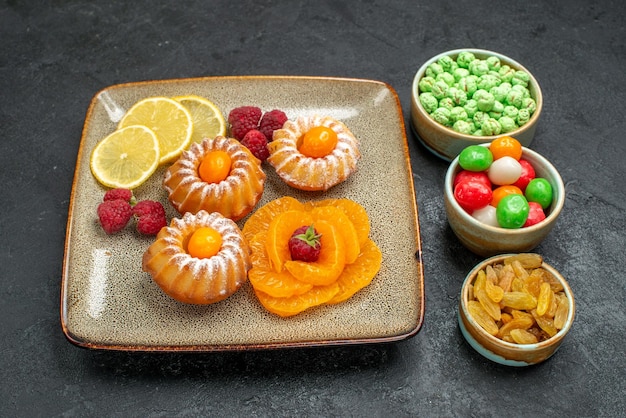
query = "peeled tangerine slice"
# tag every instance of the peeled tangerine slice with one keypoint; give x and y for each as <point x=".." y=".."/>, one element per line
<point x="331" y="261"/>
<point x="296" y="304"/>
<point x="344" y="226"/>
<point x="262" y="277"/>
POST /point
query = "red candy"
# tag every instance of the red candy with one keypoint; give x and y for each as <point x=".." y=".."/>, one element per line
<point x="528" y="173"/>
<point x="466" y="175"/>
<point x="472" y="195"/>
<point x="535" y="215"/>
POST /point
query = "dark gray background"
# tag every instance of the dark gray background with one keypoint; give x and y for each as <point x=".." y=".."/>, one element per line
<point x="54" y="57"/>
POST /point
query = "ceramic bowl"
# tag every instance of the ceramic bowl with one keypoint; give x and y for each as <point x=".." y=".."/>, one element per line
<point x="447" y="143"/>
<point x="497" y="350"/>
<point x="486" y="240"/>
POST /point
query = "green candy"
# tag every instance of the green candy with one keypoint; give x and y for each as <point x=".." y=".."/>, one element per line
<point x="523" y="116"/>
<point x="491" y="127"/>
<point x="512" y="211"/>
<point x="447" y="103"/>
<point x="471" y="107"/>
<point x="429" y="102"/>
<point x="458" y="96"/>
<point x="507" y="123"/>
<point x="446" y="62"/>
<point x="440" y="89"/>
<point x="458" y="113"/>
<point x="506" y="73"/>
<point x="510" y="111"/>
<point x="468" y="84"/>
<point x="465" y="58"/>
<point x="426" y="84"/>
<point x="494" y="63"/>
<point x="514" y="98"/>
<point x="478" y="67"/>
<point x="487" y="81"/>
<point x="446" y="78"/>
<point x="530" y="104"/>
<point x="485" y="100"/>
<point x="460" y="73"/>
<point x="496" y="110"/>
<point x="442" y="116"/>
<point x="463" y="127"/>
<point x="520" y="78"/>
<point x="539" y="190"/>
<point x="433" y="69"/>
<point x="475" y="158"/>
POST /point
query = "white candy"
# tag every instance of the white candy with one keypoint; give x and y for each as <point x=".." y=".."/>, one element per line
<point x="486" y="215"/>
<point x="505" y="170"/>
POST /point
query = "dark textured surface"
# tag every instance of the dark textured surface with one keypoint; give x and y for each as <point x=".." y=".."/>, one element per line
<point x="55" y="57"/>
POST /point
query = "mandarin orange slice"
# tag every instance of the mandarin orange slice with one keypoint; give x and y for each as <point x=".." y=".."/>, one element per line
<point x="293" y="305"/>
<point x="355" y="212"/>
<point x="279" y="232"/>
<point x="359" y="274"/>
<point x="330" y="263"/>
<point x="261" y="218"/>
<point x="338" y="218"/>
<point x="264" y="278"/>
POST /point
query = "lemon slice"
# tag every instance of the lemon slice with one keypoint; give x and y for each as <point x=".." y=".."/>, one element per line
<point x="126" y="158"/>
<point x="168" y="119"/>
<point x="208" y="121"/>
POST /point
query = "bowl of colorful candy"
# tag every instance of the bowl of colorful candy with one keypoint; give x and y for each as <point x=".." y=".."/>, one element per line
<point x="501" y="197"/>
<point x="470" y="96"/>
<point x="515" y="309"/>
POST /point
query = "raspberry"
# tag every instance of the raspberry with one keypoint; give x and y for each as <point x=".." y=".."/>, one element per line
<point x="150" y="216"/>
<point x="148" y="207"/>
<point x="243" y="119"/>
<point x="271" y="121"/>
<point x="256" y="142"/>
<point x="118" y="194"/>
<point x="304" y="244"/>
<point x="151" y="224"/>
<point x="114" y="215"/>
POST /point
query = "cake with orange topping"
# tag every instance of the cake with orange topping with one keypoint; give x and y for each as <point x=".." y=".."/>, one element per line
<point x="216" y="175"/>
<point x="314" y="152"/>
<point x="200" y="258"/>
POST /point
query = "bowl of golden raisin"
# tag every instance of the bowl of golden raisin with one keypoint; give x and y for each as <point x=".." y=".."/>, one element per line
<point x="515" y="309"/>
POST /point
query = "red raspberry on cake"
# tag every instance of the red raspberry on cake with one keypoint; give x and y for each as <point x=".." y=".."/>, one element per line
<point x="256" y="142"/>
<point x="243" y="119"/>
<point x="272" y="120"/>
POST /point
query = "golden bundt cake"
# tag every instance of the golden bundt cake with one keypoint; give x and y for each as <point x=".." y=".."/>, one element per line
<point x="190" y="279"/>
<point x="313" y="169"/>
<point x="233" y="196"/>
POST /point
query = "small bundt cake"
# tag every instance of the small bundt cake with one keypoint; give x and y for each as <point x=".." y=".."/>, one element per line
<point x="320" y="166"/>
<point x="234" y="195"/>
<point x="196" y="280"/>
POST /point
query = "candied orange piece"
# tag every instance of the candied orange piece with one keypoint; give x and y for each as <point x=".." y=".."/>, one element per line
<point x="261" y="218"/>
<point x="355" y="212"/>
<point x="265" y="279"/>
<point x="343" y="225"/>
<point x="279" y="232"/>
<point x="330" y="263"/>
<point x="293" y="305"/>
<point x="359" y="274"/>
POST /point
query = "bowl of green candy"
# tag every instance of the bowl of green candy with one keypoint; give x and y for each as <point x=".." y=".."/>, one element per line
<point x="467" y="97"/>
